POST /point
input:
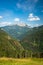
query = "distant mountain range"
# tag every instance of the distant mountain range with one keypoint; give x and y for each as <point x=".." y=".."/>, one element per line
<point x="20" y="42"/>
<point x="16" y="31"/>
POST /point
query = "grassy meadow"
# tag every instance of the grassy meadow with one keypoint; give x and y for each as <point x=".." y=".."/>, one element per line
<point x="29" y="61"/>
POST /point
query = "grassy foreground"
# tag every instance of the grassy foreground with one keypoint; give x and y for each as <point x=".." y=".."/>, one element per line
<point x="12" y="61"/>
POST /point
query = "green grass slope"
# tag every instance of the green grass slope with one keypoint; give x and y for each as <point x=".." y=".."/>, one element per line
<point x="12" y="61"/>
<point x="33" y="41"/>
<point x="9" y="47"/>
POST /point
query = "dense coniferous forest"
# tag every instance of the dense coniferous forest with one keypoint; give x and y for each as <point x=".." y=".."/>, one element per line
<point x="30" y="45"/>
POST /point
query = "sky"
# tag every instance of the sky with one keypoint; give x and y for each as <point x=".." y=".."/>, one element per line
<point x="21" y="12"/>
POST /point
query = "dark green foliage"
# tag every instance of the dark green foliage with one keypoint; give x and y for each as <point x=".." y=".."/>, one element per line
<point x="9" y="47"/>
<point x="30" y="46"/>
<point x="33" y="41"/>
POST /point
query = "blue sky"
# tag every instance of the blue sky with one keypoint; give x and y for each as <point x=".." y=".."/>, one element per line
<point x="21" y="12"/>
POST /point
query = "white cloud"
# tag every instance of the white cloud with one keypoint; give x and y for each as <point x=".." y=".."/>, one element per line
<point x="16" y="19"/>
<point x="32" y="25"/>
<point x="16" y="22"/>
<point x="20" y="23"/>
<point x="5" y="24"/>
<point x="31" y="17"/>
<point x="1" y="17"/>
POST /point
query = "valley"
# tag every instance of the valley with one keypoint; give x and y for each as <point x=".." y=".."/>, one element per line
<point x="30" y="45"/>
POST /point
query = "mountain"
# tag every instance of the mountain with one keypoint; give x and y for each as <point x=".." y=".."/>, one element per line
<point x="16" y="31"/>
<point x="31" y="44"/>
<point x="9" y="47"/>
<point x="33" y="41"/>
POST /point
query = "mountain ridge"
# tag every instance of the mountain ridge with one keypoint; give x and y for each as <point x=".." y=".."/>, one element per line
<point x="16" y="31"/>
<point x="31" y="44"/>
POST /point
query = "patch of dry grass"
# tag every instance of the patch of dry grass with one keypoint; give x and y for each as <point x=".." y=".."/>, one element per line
<point x="29" y="61"/>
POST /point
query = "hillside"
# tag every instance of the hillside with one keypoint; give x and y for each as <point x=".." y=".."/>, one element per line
<point x="16" y="31"/>
<point x="9" y="47"/>
<point x="31" y="44"/>
<point x="33" y="40"/>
